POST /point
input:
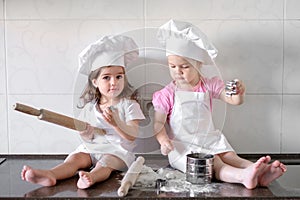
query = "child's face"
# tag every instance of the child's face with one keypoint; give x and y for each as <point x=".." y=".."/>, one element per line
<point x="182" y="71"/>
<point x="110" y="81"/>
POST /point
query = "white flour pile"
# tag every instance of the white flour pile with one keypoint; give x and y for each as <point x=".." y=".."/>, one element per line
<point x="175" y="181"/>
<point x="146" y="178"/>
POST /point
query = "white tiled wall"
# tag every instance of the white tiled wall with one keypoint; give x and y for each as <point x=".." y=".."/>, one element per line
<point x="28" y="134"/>
<point x="3" y="96"/>
<point x="260" y="119"/>
<point x="3" y="127"/>
<point x="2" y="60"/>
<point x="256" y="39"/>
<point x="75" y="9"/>
<point x="291" y="9"/>
<point x="214" y="9"/>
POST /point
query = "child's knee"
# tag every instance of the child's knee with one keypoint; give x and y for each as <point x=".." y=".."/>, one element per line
<point x="112" y="162"/>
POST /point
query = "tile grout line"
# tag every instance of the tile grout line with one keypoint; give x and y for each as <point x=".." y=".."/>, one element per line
<point x="6" y="73"/>
<point x="145" y="48"/>
<point x="282" y="77"/>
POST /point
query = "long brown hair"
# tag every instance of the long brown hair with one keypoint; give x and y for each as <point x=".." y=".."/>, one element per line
<point x="92" y="94"/>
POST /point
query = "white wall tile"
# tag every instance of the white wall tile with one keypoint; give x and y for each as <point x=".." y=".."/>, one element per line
<point x="136" y="70"/>
<point x="3" y="105"/>
<point x="41" y="60"/>
<point x="292" y="9"/>
<point x="290" y="124"/>
<point x="146" y="142"/>
<point x="256" y="40"/>
<point x="247" y="50"/>
<point x="219" y="113"/>
<point x="157" y="70"/>
<point x="254" y="127"/>
<point x="136" y="76"/>
<point x="214" y="9"/>
<point x="292" y="58"/>
<point x="29" y="135"/>
<point x="78" y="9"/>
<point x="1" y="9"/>
<point x="251" y="51"/>
<point x="157" y="74"/>
<point x="2" y="60"/>
<point x="42" y="56"/>
<point x="3" y="128"/>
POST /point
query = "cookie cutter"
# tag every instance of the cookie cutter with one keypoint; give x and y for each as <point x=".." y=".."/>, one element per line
<point x="231" y="87"/>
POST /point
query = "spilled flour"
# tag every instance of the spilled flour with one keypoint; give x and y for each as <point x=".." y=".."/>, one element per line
<point x="174" y="181"/>
<point x="146" y="178"/>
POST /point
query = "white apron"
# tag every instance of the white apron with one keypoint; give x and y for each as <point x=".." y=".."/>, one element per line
<point x="110" y="143"/>
<point x="192" y="128"/>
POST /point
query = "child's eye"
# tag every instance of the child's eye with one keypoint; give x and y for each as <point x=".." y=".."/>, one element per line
<point x="185" y="66"/>
<point x="119" y="76"/>
<point x="105" y="77"/>
<point x="172" y="66"/>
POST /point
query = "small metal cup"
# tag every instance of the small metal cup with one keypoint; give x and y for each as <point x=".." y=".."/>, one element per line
<point x="199" y="168"/>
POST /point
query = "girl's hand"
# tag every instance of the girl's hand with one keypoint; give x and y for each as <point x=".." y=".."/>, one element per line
<point x="166" y="147"/>
<point x="87" y="134"/>
<point x="111" y="116"/>
<point x="234" y="92"/>
<point x="240" y="87"/>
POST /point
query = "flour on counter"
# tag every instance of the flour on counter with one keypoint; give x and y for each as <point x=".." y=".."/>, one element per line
<point x="175" y="181"/>
<point x="147" y="177"/>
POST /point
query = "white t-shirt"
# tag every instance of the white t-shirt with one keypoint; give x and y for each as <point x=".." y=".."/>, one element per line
<point x="111" y="142"/>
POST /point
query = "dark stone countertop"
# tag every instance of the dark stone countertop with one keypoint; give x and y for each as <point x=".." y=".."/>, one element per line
<point x="12" y="187"/>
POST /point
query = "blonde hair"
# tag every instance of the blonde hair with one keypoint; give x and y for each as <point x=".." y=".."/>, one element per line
<point x="195" y="63"/>
<point x="92" y="93"/>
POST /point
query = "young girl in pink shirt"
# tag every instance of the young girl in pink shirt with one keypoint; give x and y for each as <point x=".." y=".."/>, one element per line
<point x="185" y="107"/>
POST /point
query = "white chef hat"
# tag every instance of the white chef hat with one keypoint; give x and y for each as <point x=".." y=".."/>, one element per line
<point x="185" y="39"/>
<point x="111" y="50"/>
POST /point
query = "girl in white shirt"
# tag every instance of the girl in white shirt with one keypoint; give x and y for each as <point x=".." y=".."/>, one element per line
<point x="107" y="104"/>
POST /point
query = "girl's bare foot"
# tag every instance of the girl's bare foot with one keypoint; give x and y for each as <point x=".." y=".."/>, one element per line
<point x="251" y="173"/>
<point x="272" y="172"/>
<point x="85" y="180"/>
<point x="267" y="160"/>
<point x="42" y="177"/>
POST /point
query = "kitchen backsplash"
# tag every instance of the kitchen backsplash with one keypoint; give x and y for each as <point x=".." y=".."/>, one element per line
<point x="257" y="42"/>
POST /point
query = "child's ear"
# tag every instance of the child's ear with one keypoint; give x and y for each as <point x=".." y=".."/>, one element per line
<point x="94" y="81"/>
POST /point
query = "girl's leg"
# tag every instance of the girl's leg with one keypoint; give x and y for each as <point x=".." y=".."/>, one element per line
<point x="61" y="171"/>
<point x="231" y="158"/>
<point x="101" y="172"/>
<point x="247" y="176"/>
<point x="270" y="173"/>
<point x="98" y="174"/>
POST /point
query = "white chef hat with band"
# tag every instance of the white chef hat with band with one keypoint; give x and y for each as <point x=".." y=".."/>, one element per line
<point x="111" y="50"/>
<point x="185" y="39"/>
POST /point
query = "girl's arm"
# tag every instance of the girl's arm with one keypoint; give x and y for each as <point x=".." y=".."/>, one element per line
<point x="237" y="98"/>
<point x="128" y="131"/>
<point x="160" y="132"/>
<point x="88" y="134"/>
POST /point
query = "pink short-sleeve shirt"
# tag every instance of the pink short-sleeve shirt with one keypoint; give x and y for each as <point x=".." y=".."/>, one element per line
<point x="163" y="100"/>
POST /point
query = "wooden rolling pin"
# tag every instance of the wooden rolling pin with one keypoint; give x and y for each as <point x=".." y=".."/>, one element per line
<point x="56" y="118"/>
<point x="131" y="176"/>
